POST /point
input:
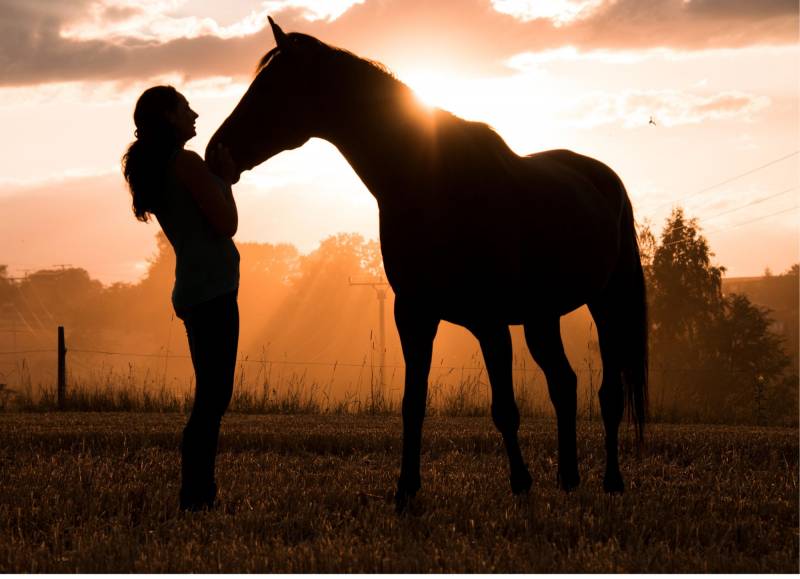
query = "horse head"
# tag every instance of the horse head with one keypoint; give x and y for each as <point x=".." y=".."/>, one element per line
<point x="280" y="109"/>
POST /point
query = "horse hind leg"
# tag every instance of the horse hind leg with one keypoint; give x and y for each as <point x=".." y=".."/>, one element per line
<point x="544" y="342"/>
<point x="612" y="391"/>
<point x="497" y="354"/>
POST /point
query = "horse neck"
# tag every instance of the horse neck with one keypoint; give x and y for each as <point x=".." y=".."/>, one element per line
<point x="387" y="142"/>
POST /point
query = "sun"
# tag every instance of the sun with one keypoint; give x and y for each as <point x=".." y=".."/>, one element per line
<point x="518" y="106"/>
<point x="433" y="88"/>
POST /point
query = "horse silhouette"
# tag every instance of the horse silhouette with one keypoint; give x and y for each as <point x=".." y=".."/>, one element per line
<point x="471" y="233"/>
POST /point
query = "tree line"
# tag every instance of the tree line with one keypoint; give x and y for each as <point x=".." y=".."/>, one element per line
<point x="713" y="356"/>
<point x="710" y="353"/>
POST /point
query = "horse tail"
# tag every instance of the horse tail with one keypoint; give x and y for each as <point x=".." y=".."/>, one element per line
<point x="634" y="324"/>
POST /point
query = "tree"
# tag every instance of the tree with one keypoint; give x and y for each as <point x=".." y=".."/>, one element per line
<point x="753" y="357"/>
<point x="711" y="353"/>
<point x="323" y="317"/>
<point x="647" y="245"/>
<point x="6" y="286"/>
<point x="685" y="291"/>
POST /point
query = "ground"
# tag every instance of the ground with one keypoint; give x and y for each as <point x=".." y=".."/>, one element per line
<point x="97" y="492"/>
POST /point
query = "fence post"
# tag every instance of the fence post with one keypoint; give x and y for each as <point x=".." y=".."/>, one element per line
<point x="62" y="369"/>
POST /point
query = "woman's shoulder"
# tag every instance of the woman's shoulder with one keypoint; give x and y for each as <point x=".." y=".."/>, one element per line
<point x="188" y="162"/>
<point x="192" y="172"/>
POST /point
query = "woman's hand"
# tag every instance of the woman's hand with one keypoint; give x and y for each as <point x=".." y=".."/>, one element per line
<point x="221" y="164"/>
<point x="211" y="193"/>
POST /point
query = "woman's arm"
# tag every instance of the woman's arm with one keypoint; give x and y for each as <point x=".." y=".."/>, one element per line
<point x="212" y="194"/>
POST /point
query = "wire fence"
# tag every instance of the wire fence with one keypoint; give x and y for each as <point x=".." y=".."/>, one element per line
<point x="110" y="379"/>
<point x="249" y="360"/>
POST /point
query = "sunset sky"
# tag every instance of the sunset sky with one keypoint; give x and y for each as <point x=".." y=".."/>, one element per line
<point x="720" y="79"/>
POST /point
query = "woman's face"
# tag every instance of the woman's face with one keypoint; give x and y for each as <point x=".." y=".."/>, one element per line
<point x="182" y="118"/>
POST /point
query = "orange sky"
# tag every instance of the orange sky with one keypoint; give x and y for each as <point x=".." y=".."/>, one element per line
<point x="720" y="79"/>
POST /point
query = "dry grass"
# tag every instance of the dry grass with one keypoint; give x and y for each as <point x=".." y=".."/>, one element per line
<point x="96" y="492"/>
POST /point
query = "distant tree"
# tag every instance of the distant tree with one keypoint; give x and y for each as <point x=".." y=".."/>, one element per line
<point x="267" y="264"/>
<point x="6" y="285"/>
<point x="647" y="245"/>
<point x="160" y="275"/>
<point x="267" y="274"/>
<point x="716" y="353"/>
<point x="59" y="297"/>
<point x="322" y="313"/>
<point x="752" y="357"/>
<point x="336" y="259"/>
<point x="749" y="345"/>
<point x="685" y="290"/>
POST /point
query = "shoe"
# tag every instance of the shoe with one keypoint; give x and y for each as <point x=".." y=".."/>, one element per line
<point x="192" y="500"/>
<point x="197" y="506"/>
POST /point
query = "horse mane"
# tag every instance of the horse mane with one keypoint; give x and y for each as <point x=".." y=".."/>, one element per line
<point x="298" y="38"/>
<point x="264" y="61"/>
<point x="379" y="76"/>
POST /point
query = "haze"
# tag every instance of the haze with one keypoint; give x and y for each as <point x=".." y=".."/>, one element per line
<point x="718" y="80"/>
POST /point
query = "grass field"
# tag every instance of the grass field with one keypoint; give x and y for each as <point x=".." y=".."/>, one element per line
<point x="97" y="492"/>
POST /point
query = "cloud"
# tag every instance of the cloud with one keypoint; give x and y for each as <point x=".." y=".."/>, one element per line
<point x="560" y="12"/>
<point x="668" y="108"/>
<point x="154" y="21"/>
<point x="312" y="10"/>
<point x="118" y="39"/>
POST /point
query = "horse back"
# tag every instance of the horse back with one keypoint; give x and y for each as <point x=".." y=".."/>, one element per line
<point x="511" y="233"/>
<point x="578" y="171"/>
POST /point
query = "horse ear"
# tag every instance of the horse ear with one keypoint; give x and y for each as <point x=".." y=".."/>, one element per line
<point x="280" y="36"/>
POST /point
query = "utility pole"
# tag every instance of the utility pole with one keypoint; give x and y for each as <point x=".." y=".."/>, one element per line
<point x="62" y="369"/>
<point x="380" y="285"/>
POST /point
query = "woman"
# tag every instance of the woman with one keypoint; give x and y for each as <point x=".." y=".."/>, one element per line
<point x="197" y="212"/>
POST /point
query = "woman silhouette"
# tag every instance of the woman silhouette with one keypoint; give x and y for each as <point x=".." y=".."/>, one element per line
<point x="197" y="212"/>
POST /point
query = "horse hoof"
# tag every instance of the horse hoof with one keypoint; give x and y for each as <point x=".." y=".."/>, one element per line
<point x="569" y="481"/>
<point x="613" y="483"/>
<point x="404" y="495"/>
<point x="405" y="503"/>
<point x="401" y="501"/>
<point x="521" y="482"/>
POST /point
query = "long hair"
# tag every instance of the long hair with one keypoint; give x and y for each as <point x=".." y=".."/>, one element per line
<point x="144" y="164"/>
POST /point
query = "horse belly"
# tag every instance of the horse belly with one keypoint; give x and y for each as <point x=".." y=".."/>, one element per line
<point x="473" y="279"/>
<point x="516" y="257"/>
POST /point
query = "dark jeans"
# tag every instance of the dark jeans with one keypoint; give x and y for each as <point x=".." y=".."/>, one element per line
<point x="213" y="331"/>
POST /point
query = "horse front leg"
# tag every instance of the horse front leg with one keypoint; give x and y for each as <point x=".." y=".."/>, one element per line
<point x="417" y="331"/>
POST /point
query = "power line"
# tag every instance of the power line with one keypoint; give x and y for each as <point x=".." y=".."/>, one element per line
<point x="726" y="181"/>
<point x="787" y="210"/>
<point x="734" y="209"/>
<point x="298" y="363"/>
<point x="755" y="202"/>
<point x="246" y="360"/>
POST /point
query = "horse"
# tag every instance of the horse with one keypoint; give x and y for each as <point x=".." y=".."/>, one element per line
<point x="470" y="233"/>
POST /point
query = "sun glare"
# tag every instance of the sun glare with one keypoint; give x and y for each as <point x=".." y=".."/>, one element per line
<point x="520" y="107"/>
<point x="432" y="88"/>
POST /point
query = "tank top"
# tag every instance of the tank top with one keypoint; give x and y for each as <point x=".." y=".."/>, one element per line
<point x="206" y="263"/>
